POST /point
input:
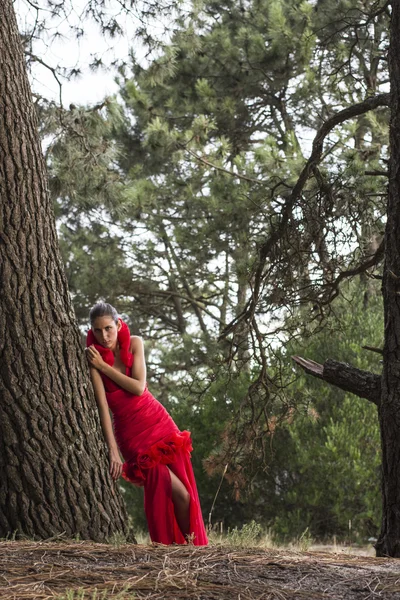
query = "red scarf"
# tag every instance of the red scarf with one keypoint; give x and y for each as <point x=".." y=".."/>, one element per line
<point x="124" y="341"/>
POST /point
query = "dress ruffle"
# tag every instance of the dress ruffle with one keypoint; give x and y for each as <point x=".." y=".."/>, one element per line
<point x="163" y="452"/>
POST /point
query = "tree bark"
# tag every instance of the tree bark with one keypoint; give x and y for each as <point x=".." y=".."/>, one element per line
<point x="342" y="375"/>
<point x="389" y="413"/>
<point x="53" y="465"/>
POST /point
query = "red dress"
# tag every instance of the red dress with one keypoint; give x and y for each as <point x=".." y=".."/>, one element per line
<point x="149" y="440"/>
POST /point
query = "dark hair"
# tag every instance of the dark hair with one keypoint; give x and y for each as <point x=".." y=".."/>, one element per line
<point x="102" y="309"/>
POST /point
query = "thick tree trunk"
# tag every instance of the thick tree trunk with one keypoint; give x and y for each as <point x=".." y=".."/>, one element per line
<point x="389" y="413"/>
<point x="53" y="465"/>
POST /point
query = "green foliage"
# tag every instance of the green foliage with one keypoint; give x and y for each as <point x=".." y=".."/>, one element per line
<point x="305" y="540"/>
<point x="248" y="536"/>
<point x="163" y="200"/>
<point x="329" y="455"/>
<point x="323" y="462"/>
<point x="82" y="594"/>
<point x="117" y="539"/>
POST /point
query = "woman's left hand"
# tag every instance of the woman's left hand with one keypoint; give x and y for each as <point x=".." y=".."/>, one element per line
<point x="94" y="358"/>
<point x="115" y="464"/>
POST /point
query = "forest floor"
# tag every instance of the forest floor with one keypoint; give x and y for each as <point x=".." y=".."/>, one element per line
<point x="89" y="571"/>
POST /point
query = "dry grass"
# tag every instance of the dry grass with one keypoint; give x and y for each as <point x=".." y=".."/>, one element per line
<point x="89" y="571"/>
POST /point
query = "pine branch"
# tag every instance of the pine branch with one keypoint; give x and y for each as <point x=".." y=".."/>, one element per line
<point x="185" y="283"/>
<point x="312" y="163"/>
<point x="342" y="375"/>
<point x="34" y="58"/>
<point x="221" y="169"/>
<point x="373" y="349"/>
<point x="361" y="268"/>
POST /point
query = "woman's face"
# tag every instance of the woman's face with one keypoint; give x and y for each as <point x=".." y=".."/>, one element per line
<point x="105" y="330"/>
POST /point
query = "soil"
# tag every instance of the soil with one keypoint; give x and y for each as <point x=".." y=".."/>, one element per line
<point x="85" y="570"/>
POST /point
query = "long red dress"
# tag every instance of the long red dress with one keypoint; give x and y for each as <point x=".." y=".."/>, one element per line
<point x="149" y="440"/>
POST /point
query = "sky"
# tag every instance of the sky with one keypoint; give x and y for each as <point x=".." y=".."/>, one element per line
<point x="90" y="87"/>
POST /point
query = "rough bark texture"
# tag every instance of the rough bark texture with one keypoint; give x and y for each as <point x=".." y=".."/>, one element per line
<point x="389" y="413"/>
<point x="350" y="379"/>
<point x="53" y="465"/>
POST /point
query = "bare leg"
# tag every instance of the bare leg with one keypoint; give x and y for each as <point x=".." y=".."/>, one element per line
<point x="181" y="501"/>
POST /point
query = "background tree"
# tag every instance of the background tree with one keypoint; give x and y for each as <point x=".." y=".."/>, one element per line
<point x="326" y="465"/>
<point x="192" y="163"/>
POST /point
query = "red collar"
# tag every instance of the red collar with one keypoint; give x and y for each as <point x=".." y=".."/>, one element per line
<point x="124" y="341"/>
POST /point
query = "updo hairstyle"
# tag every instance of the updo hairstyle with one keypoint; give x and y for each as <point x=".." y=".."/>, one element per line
<point x="102" y="309"/>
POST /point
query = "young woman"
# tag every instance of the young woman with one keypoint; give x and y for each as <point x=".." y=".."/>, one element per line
<point x="156" y="453"/>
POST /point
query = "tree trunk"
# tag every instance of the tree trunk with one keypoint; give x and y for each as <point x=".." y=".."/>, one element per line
<point x="388" y="543"/>
<point x="389" y="413"/>
<point x="241" y="338"/>
<point x="53" y="465"/>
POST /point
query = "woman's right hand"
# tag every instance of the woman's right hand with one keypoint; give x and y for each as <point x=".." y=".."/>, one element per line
<point x="115" y="464"/>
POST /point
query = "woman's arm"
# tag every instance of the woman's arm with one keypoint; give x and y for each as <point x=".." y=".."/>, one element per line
<point x="135" y="384"/>
<point x="106" y="425"/>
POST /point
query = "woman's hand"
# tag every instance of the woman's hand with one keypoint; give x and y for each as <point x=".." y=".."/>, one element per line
<point x="94" y="358"/>
<point x="115" y="464"/>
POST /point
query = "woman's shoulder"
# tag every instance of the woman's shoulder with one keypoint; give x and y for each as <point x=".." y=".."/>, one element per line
<point x="136" y="343"/>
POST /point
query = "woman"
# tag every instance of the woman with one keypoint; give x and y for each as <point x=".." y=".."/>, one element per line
<point x="156" y="453"/>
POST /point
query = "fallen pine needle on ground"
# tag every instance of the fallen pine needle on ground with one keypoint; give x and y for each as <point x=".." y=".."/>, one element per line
<point x="90" y="571"/>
